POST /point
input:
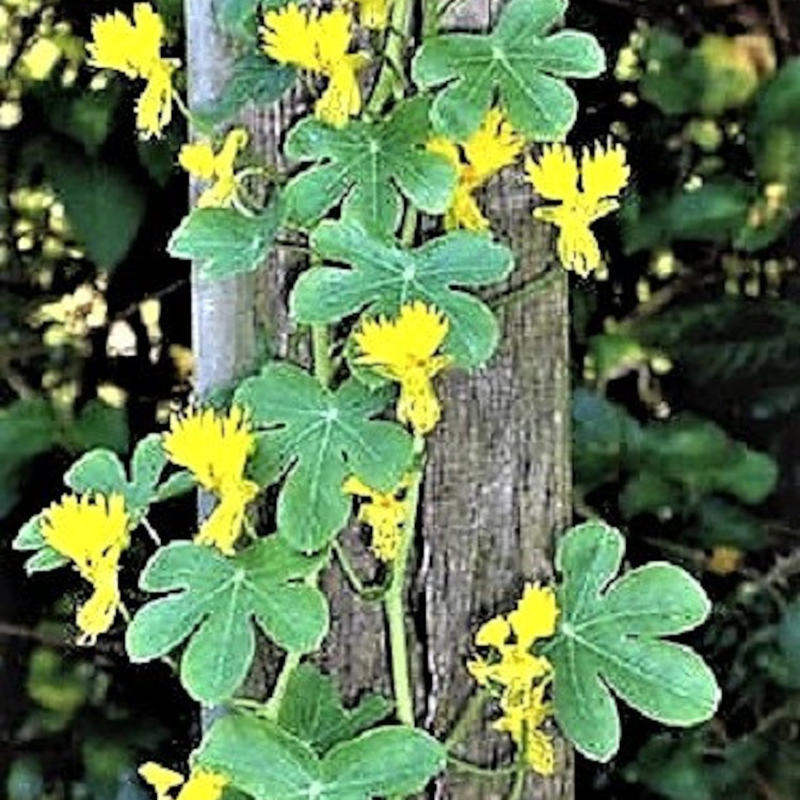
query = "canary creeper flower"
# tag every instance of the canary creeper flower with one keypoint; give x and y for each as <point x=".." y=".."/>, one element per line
<point x="385" y="512"/>
<point x="404" y="350"/>
<point x="492" y="147"/>
<point x="521" y="676"/>
<point x="202" y="784"/>
<point x="214" y="447"/>
<point x="318" y="42"/>
<point x="512" y="637"/>
<point x="523" y="717"/>
<point x="585" y="193"/>
<point x="199" y="159"/>
<point x="133" y="47"/>
<point x="91" y="532"/>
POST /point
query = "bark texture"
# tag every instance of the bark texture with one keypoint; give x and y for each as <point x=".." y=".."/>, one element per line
<point x="498" y="481"/>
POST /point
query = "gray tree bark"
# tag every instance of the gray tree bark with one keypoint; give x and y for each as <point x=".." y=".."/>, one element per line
<point x="497" y="488"/>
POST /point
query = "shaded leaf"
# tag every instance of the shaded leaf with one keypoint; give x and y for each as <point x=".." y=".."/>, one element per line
<point x="226" y="243"/>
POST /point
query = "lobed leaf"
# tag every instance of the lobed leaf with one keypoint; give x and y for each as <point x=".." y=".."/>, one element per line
<point x="212" y="603"/>
<point x="268" y="763"/>
<point x="608" y="638"/>
<point x="367" y="166"/>
<point x="518" y="62"/>
<point x="312" y="711"/>
<point x="385" y="275"/>
<point x="226" y="243"/>
<point x="321" y="436"/>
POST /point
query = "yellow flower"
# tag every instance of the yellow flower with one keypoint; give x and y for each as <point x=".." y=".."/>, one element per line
<point x="492" y="147"/>
<point x="201" y="785"/>
<point x="374" y="14"/>
<point x="404" y="350"/>
<point x="214" y="448"/>
<point x="92" y="532"/>
<point x="585" y="194"/>
<point x="385" y="512"/>
<point x="318" y="42"/>
<point x="513" y="636"/>
<point x="200" y="159"/>
<point x="523" y="716"/>
<point x="133" y="47"/>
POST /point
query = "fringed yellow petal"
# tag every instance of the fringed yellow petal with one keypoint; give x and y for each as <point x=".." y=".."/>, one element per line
<point x="404" y="350"/>
<point x="603" y="174"/>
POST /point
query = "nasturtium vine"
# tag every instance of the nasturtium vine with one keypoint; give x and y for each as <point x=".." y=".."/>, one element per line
<point x="295" y="451"/>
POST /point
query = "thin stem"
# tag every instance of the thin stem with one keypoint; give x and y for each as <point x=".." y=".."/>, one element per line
<point x="321" y="346"/>
<point x="490" y="773"/>
<point x="409" y="230"/>
<point x="290" y="664"/>
<point x="534" y="286"/>
<point x="204" y="128"/>
<point x="468" y="717"/>
<point x="392" y="71"/>
<point x="518" y="786"/>
<point x="348" y="569"/>
<point x="394" y="605"/>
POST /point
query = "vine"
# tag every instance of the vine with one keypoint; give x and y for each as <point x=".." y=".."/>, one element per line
<point x="443" y="117"/>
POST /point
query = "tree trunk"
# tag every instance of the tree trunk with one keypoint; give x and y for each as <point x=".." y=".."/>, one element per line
<point x="497" y="489"/>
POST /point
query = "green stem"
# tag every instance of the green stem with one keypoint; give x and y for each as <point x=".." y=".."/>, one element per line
<point x="373" y="592"/>
<point x="490" y="773"/>
<point x="468" y="717"/>
<point x="394" y="605"/>
<point x="518" y="786"/>
<point x="409" y="230"/>
<point x="321" y="346"/>
<point x="399" y="30"/>
<point x="290" y="664"/>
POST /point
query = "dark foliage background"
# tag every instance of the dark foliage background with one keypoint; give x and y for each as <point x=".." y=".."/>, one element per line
<point x="687" y="387"/>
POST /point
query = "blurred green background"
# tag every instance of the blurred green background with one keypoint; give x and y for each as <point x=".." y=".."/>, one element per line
<point x="686" y="359"/>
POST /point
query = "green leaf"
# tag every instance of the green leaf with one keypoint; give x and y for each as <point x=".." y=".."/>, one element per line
<point x="698" y="454"/>
<point x="385" y="275"/>
<point x="86" y="116"/>
<point x="254" y="78"/>
<point x="27" y="428"/>
<point x="608" y="638"/>
<point x="367" y="167"/>
<point x="312" y="711"/>
<point x="268" y="763"/>
<point x="224" y="242"/>
<point x="101" y="472"/>
<point x="99" y="425"/>
<point x="519" y="62"/>
<point x="212" y="601"/>
<point x="321" y="437"/>
<point x="30" y="538"/>
<point x="103" y="203"/>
